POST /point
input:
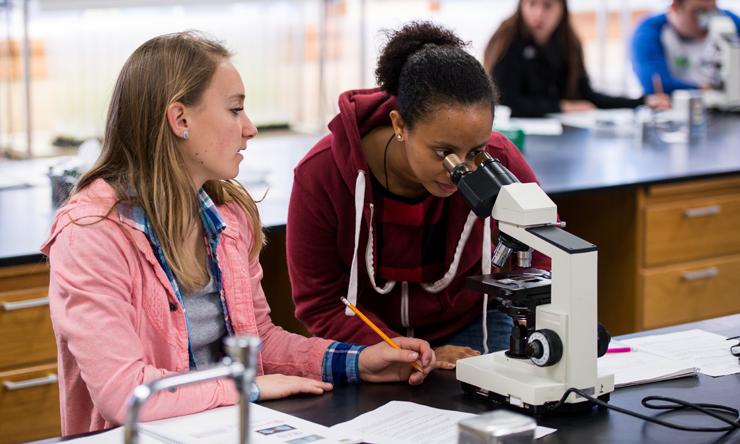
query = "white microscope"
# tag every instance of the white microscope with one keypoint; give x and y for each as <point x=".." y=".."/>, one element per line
<point x="727" y="97"/>
<point x="553" y="346"/>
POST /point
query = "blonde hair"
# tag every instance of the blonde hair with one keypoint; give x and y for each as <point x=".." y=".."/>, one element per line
<point x="140" y="158"/>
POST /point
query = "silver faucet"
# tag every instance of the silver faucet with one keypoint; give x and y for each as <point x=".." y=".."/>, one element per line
<point x="240" y="365"/>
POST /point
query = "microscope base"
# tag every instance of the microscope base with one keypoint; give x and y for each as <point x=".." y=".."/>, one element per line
<point x="521" y="384"/>
<point x="549" y="408"/>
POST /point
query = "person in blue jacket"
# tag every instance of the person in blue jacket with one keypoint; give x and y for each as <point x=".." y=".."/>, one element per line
<point x="673" y="51"/>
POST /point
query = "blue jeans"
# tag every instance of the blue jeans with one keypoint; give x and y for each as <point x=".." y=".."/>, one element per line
<point x="499" y="330"/>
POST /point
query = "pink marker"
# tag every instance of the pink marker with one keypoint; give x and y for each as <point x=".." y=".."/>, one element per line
<point x="619" y="350"/>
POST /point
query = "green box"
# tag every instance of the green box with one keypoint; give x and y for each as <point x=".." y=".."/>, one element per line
<point x="515" y="135"/>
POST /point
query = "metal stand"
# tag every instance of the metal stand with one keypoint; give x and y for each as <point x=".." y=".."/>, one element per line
<point x="240" y="365"/>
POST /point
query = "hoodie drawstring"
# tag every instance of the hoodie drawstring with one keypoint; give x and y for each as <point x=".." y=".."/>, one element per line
<point x="434" y="287"/>
<point x="444" y="282"/>
<point x="405" y="309"/>
<point x="369" y="261"/>
<point x="486" y="269"/>
<point x="359" y="202"/>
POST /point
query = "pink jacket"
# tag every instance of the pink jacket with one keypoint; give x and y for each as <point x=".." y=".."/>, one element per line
<point x="118" y="323"/>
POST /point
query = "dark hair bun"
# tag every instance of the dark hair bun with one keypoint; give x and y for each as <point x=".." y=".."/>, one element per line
<point x="405" y="42"/>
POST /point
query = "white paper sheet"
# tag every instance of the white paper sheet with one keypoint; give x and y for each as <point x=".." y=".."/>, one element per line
<point x="221" y="425"/>
<point x="401" y="422"/>
<point x="598" y="118"/>
<point x="707" y="351"/>
<point x="111" y="436"/>
<point x="537" y="126"/>
<point x="642" y="367"/>
<point x="114" y="436"/>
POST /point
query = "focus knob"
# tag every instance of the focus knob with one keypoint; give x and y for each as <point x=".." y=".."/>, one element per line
<point x="546" y="348"/>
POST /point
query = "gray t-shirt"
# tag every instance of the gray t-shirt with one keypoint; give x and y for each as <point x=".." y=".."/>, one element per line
<point x="207" y="326"/>
<point x="694" y="61"/>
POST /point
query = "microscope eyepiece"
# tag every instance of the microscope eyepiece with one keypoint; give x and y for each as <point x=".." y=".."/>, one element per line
<point x="456" y="167"/>
<point x="482" y="159"/>
<point x="480" y="187"/>
<point x="451" y="161"/>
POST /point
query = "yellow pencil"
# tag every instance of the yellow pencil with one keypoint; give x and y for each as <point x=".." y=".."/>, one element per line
<point x="375" y="328"/>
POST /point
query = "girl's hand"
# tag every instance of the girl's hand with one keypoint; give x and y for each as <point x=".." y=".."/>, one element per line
<point x="660" y="102"/>
<point x="383" y="363"/>
<point x="279" y="386"/>
<point x="447" y="355"/>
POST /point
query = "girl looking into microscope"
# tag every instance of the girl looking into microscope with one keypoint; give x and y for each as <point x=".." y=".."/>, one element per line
<point x="374" y="214"/>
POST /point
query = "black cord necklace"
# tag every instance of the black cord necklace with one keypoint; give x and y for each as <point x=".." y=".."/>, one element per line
<point x="385" y="162"/>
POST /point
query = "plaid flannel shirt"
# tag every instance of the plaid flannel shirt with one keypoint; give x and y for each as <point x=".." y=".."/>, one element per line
<point x="340" y="363"/>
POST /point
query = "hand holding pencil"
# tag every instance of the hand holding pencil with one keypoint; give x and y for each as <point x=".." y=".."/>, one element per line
<point x="394" y="359"/>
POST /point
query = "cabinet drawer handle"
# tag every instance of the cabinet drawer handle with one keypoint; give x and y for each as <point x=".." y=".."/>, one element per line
<point x="28" y="303"/>
<point x="18" y="385"/>
<point x="706" y="273"/>
<point x="710" y="210"/>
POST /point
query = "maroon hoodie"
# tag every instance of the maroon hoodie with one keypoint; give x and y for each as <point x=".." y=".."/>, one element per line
<point x="321" y="239"/>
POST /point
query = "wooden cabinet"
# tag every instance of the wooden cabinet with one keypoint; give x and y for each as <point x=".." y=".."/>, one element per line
<point x="29" y="395"/>
<point x="691" y="290"/>
<point x="690" y="267"/>
<point x="22" y="277"/>
<point x="25" y="327"/>
<point x="668" y="253"/>
<point x="679" y="227"/>
<point x="29" y="404"/>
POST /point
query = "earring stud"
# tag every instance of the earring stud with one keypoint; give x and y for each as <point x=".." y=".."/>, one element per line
<point x="399" y="137"/>
<point x="186" y="134"/>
